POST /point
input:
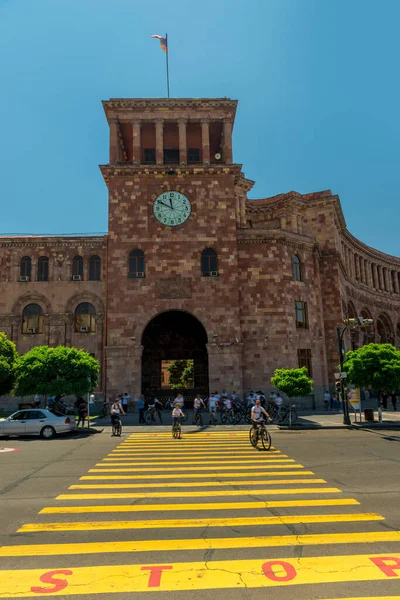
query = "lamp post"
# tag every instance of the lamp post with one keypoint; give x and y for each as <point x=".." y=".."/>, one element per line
<point x="353" y="323"/>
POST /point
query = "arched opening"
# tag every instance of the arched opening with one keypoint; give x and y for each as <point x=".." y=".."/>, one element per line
<point x="171" y="336"/>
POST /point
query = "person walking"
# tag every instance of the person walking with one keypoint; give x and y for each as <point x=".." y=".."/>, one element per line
<point x="212" y="409"/>
<point x="140" y="405"/>
<point x="82" y="411"/>
<point x="393" y="399"/>
<point x="180" y="400"/>
<point x="327" y="400"/>
<point x="158" y="408"/>
<point x="124" y="402"/>
<point x="384" y="400"/>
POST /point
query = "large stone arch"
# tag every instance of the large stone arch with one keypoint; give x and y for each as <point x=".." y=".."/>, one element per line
<point x="173" y="335"/>
<point x="384" y="329"/>
<point x="149" y="315"/>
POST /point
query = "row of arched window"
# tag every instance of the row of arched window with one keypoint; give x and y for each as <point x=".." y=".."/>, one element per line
<point x="208" y="263"/>
<point x="42" y="274"/>
<point x="381" y="332"/>
<point x="84" y="318"/>
<point x="371" y="274"/>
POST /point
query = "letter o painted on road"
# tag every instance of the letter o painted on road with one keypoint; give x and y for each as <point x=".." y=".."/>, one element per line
<point x="289" y="570"/>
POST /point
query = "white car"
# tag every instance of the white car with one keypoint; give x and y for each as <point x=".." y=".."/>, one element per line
<point x="36" y="421"/>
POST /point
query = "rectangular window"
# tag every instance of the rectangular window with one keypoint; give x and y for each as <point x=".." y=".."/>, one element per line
<point x="150" y="155"/>
<point x="193" y="155"/>
<point x="171" y="156"/>
<point x="304" y="357"/>
<point x="301" y="315"/>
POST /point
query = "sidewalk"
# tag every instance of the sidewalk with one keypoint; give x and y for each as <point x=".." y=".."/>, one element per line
<point x="306" y="420"/>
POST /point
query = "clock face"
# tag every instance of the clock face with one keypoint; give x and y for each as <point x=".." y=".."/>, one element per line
<point x="172" y="208"/>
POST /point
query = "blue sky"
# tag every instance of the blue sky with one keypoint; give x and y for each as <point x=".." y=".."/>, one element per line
<point x="317" y="82"/>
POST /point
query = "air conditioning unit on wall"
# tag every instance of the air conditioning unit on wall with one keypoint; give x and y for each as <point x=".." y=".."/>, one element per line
<point x="213" y="273"/>
<point x="23" y="278"/>
<point x="84" y="329"/>
<point x="31" y="330"/>
<point x="76" y="277"/>
<point x="140" y="274"/>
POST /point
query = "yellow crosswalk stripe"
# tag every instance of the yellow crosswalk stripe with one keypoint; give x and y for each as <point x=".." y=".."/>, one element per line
<point x="212" y="454"/>
<point x="180" y="469"/>
<point x="179" y="494"/>
<point x="189" y="576"/>
<point x="197" y="475"/>
<point x="205" y="506"/>
<point x="191" y="523"/>
<point x="252" y="461"/>
<point x="160" y="545"/>
<point x="110" y="486"/>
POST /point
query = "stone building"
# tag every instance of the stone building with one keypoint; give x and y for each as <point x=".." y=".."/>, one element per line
<point x="191" y="268"/>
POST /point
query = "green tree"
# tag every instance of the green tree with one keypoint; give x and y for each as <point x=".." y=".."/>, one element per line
<point x="293" y="383"/>
<point x="180" y="374"/>
<point x="374" y="365"/>
<point x="58" y="372"/>
<point x="8" y="357"/>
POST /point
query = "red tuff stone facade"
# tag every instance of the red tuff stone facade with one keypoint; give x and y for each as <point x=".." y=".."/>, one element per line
<point x="190" y="268"/>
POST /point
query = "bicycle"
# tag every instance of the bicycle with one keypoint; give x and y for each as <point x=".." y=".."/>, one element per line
<point x="104" y="410"/>
<point x="176" y="430"/>
<point x="259" y="431"/>
<point x="198" y="419"/>
<point x="282" y="415"/>
<point x="228" y="416"/>
<point x="213" y="418"/>
<point x="116" y="426"/>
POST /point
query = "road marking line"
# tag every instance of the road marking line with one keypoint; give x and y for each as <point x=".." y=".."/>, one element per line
<point x="222" y="453"/>
<point x="199" y="475"/>
<point x="110" y="486"/>
<point x="180" y="469"/>
<point x="249" y="461"/>
<point x="179" y="494"/>
<point x="191" y="523"/>
<point x="227" y="574"/>
<point x="205" y="506"/>
<point x="312" y="539"/>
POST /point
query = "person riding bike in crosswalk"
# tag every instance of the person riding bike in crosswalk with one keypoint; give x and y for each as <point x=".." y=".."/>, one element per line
<point x="256" y="414"/>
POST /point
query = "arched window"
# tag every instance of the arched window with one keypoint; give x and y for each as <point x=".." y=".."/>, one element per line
<point x="368" y="332"/>
<point x="297" y="268"/>
<point x="136" y="264"/>
<point x="77" y="268"/>
<point x="94" y="268"/>
<point x="26" y="268"/>
<point x="32" y="319"/>
<point x="43" y="269"/>
<point x="209" y="265"/>
<point x="85" y="318"/>
<point x="384" y="330"/>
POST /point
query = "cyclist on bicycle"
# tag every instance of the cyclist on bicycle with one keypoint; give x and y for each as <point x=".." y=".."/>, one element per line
<point x="116" y="410"/>
<point x="177" y="415"/>
<point x="256" y="414"/>
<point x="198" y="404"/>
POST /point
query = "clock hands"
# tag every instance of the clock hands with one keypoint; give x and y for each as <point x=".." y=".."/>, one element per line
<point x="170" y="201"/>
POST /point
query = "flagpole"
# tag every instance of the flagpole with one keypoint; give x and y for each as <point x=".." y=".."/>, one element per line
<point x="167" y="52"/>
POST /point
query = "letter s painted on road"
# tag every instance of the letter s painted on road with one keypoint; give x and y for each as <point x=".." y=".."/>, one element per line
<point x="290" y="571"/>
<point x="58" y="584"/>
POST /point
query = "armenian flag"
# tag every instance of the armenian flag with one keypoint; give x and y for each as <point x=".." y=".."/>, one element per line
<point x="163" y="42"/>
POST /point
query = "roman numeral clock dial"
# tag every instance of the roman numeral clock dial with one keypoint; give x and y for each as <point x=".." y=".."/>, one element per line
<point x="172" y="208"/>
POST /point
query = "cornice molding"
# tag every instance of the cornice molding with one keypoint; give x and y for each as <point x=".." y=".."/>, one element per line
<point x="111" y="171"/>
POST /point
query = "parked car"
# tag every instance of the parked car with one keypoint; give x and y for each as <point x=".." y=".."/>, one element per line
<point x="41" y="422"/>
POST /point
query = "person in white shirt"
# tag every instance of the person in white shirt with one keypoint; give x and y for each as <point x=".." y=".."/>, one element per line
<point x="279" y="401"/>
<point x="224" y="394"/>
<point x="227" y="404"/>
<point x="177" y="415"/>
<point x="251" y="399"/>
<point x="327" y="400"/>
<point x="234" y="397"/>
<point x="257" y="413"/>
<point x="198" y="404"/>
<point x="212" y="409"/>
<point x="180" y="400"/>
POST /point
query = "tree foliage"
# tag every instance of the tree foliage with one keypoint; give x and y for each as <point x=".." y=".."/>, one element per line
<point x="292" y="382"/>
<point x="8" y="357"/>
<point x="181" y="374"/>
<point x="374" y="365"/>
<point x="59" y="371"/>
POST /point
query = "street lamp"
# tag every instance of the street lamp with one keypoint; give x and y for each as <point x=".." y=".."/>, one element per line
<point x="353" y="323"/>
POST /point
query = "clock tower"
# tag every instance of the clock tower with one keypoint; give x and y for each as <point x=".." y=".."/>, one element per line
<point x="176" y="203"/>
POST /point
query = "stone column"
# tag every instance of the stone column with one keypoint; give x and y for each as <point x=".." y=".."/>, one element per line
<point x="395" y="282"/>
<point x="387" y="282"/>
<point x="294" y="222"/>
<point x="374" y="276"/>
<point x="228" y="142"/>
<point x="160" y="141"/>
<point x="379" y="274"/>
<point x="182" y="141"/>
<point x="115" y="152"/>
<point x="136" y="143"/>
<point x="205" y="141"/>
<point x="283" y="222"/>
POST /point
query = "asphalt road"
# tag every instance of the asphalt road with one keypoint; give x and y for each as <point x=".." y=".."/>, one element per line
<point x="318" y="517"/>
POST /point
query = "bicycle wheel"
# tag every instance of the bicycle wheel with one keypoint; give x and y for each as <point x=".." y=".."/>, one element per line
<point x="200" y="420"/>
<point x="118" y="429"/>
<point x="223" y="416"/>
<point x="231" y="417"/>
<point x="294" y="415"/>
<point x="248" y="416"/>
<point x="237" y="417"/>
<point x="175" y="432"/>
<point x="185" y="415"/>
<point x="265" y="439"/>
<point x="253" y="435"/>
<point x="148" y="418"/>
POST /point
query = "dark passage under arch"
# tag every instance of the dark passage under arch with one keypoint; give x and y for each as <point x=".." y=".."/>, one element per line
<point x="174" y="335"/>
